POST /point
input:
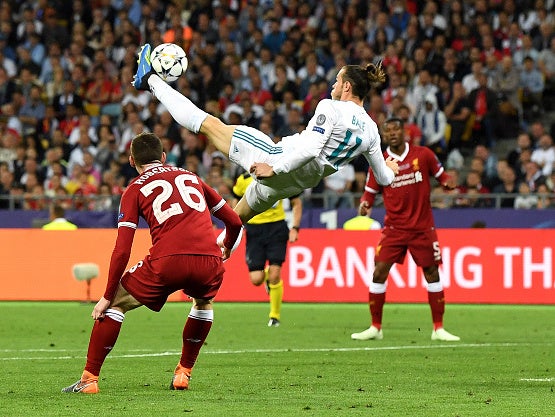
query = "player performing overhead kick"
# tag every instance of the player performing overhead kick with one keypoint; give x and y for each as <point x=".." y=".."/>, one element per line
<point x="339" y="131"/>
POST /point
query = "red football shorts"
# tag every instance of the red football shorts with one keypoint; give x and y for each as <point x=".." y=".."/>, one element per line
<point x="423" y="246"/>
<point x="152" y="281"/>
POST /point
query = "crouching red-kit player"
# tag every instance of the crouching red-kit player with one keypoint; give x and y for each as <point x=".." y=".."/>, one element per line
<point x="408" y="226"/>
<point x="177" y="206"/>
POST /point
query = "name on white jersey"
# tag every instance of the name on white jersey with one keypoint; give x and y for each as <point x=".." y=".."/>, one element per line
<point x="358" y="123"/>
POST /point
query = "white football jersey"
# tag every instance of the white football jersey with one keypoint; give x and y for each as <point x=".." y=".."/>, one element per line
<point x="338" y="132"/>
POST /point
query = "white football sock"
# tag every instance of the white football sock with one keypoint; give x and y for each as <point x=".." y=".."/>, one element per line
<point x="180" y="107"/>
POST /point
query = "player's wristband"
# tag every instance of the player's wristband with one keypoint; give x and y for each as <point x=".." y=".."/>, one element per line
<point x="297" y="228"/>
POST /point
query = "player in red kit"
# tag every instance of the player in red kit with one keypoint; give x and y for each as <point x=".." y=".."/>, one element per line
<point x="408" y="226"/>
<point x="177" y="205"/>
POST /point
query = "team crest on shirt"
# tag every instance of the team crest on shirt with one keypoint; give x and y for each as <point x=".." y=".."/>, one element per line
<point x="321" y="119"/>
<point x="415" y="165"/>
<point x="120" y="216"/>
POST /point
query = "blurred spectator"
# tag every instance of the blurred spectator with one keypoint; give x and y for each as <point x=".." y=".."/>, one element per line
<point x="6" y="184"/>
<point x="28" y="24"/>
<point x="309" y="74"/>
<point x="526" y="50"/>
<point x="457" y="111"/>
<point x="282" y="84"/>
<point x="544" y="154"/>
<point x="422" y="88"/>
<point x="25" y="60"/>
<point x="34" y="198"/>
<point x="7" y="58"/>
<point x="54" y="30"/>
<point x="523" y="141"/>
<point x="83" y="127"/>
<point x="84" y="145"/>
<point x="53" y="162"/>
<point x="483" y="103"/>
<point x="258" y="94"/>
<point x="432" y="122"/>
<point x="104" y="199"/>
<point x="275" y="37"/>
<point x="32" y="111"/>
<point x="473" y="181"/>
<point x="337" y="188"/>
<point x="90" y="168"/>
<point x="31" y="174"/>
<point x="471" y="81"/>
<point x="413" y="134"/>
<point x="97" y="92"/>
<point x="536" y="129"/>
<point x="546" y="64"/>
<point x="66" y="97"/>
<point x="293" y="124"/>
<point x="546" y="198"/>
<point x="502" y="165"/>
<point x="53" y="59"/>
<point x="544" y="35"/>
<point x="525" y="200"/>
<point x="509" y="185"/>
<point x="7" y="87"/>
<point x="532" y="85"/>
<point x="533" y="175"/>
<point x="489" y="160"/>
<point x="170" y="149"/>
<point x="506" y="84"/>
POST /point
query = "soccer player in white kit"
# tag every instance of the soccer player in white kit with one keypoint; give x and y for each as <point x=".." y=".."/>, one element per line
<point x="339" y="131"/>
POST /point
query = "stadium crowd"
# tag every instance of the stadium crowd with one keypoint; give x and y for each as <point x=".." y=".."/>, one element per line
<point x="463" y="75"/>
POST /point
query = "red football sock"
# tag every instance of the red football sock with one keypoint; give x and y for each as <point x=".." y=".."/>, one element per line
<point x="103" y="338"/>
<point x="196" y="330"/>
<point x="376" y="302"/>
<point x="437" y="305"/>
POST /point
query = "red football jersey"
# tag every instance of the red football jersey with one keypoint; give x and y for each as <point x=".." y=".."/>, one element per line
<point x="407" y="199"/>
<point x="177" y="206"/>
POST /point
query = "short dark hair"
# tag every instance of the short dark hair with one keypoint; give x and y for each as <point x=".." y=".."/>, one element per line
<point x="57" y="210"/>
<point x="394" y="120"/>
<point x="146" y="147"/>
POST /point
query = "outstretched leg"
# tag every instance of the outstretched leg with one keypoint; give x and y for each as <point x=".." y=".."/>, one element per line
<point x="104" y="335"/>
<point x="183" y="110"/>
<point x="188" y="115"/>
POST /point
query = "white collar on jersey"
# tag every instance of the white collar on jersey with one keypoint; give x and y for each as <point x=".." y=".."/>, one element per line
<point x="399" y="157"/>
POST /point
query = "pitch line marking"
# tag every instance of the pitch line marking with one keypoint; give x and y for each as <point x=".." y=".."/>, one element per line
<point x="245" y="351"/>
<point x="537" y="379"/>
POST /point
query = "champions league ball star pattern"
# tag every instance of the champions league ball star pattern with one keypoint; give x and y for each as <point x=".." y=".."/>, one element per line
<point x="169" y="61"/>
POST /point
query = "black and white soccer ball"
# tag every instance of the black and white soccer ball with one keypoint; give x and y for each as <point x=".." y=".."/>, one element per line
<point x="169" y="61"/>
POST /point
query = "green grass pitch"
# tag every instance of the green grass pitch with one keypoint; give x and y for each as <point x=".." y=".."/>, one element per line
<point x="504" y="365"/>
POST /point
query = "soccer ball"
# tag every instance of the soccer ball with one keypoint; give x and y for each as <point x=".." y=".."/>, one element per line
<point x="169" y="61"/>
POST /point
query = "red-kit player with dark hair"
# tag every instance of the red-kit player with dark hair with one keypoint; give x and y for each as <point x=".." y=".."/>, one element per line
<point x="177" y="205"/>
<point x="408" y="226"/>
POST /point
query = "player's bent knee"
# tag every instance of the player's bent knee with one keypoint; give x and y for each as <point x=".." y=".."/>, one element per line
<point x="123" y="301"/>
<point x="202" y="304"/>
<point x="256" y="281"/>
